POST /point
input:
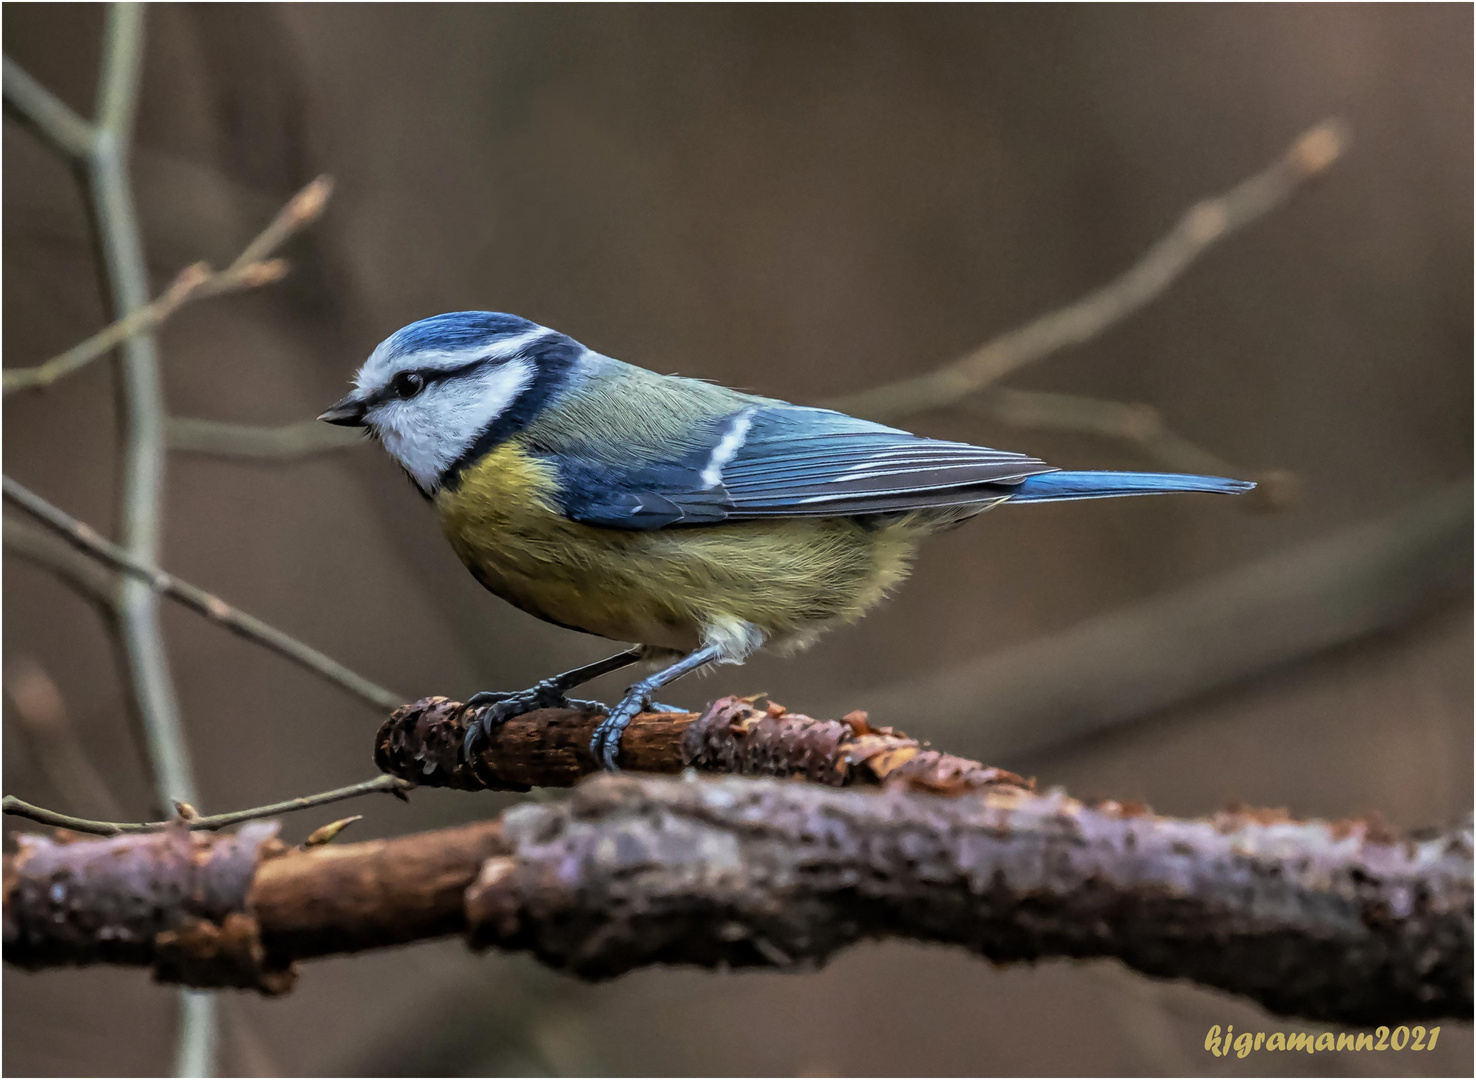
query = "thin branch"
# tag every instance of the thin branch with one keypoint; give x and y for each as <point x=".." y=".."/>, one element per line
<point x="1138" y="424"/>
<point x="1200" y="228"/>
<point x="188" y="284"/>
<point x="104" y="176"/>
<point x="47" y="117"/>
<point x="199" y="1034"/>
<point x="89" y="579"/>
<point x="20" y="808"/>
<point x="1025" y="701"/>
<point x="1334" y="921"/>
<point x="87" y="539"/>
<point x="251" y="269"/>
<point x="301" y="210"/>
<point x="122" y="67"/>
<point x="153" y="704"/>
<point x="290" y="442"/>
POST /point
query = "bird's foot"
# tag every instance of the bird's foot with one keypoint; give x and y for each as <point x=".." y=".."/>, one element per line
<point x="604" y="747"/>
<point x="498" y="707"/>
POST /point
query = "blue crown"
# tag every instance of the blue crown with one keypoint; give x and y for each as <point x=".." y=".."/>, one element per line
<point x="457" y="330"/>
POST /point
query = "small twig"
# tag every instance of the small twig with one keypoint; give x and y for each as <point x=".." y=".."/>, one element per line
<point x="301" y="210"/>
<point x="87" y="539"/>
<point x="153" y="704"/>
<point x="20" y="808"/>
<point x="1224" y="630"/>
<point x="102" y="166"/>
<point x="85" y="576"/>
<point x="290" y="442"/>
<point x="251" y="269"/>
<point x="199" y="1033"/>
<point x="1200" y="228"/>
<point x="49" y="118"/>
<point x="1141" y="425"/>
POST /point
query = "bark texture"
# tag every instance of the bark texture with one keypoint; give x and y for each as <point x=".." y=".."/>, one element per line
<point x="1339" y="922"/>
<point x="177" y="900"/>
<point x="422" y="742"/>
<point x="350" y="897"/>
<point x="1330" y="921"/>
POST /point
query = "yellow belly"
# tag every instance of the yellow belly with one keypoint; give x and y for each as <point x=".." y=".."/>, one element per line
<point x="669" y="587"/>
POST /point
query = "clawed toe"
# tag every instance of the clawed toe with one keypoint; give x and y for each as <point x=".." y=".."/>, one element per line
<point x="481" y="726"/>
<point x="486" y="697"/>
<point x="498" y="707"/>
<point x="586" y="706"/>
<point x="604" y="746"/>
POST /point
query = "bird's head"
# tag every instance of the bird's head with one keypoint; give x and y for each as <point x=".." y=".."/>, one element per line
<point x="441" y="392"/>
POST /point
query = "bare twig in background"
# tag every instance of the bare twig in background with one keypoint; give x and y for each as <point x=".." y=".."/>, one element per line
<point x="98" y="151"/>
<point x="196" y="599"/>
<point x="1141" y="425"/>
<point x="1308" y="918"/>
<point x="1203" y="225"/>
<point x="20" y="808"/>
<point x="289" y="442"/>
<point x="58" y="751"/>
<point x="191" y="283"/>
<point x="125" y="272"/>
<point x="88" y="578"/>
<point x="301" y="210"/>
<point x="1226" y="630"/>
<point x="250" y="270"/>
<point x="46" y="116"/>
<point x="424" y="743"/>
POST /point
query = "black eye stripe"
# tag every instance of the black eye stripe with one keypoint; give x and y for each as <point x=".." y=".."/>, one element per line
<point x="429" y="377"/>
<point x="439" y="375"/>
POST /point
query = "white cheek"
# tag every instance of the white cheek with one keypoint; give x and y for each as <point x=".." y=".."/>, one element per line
<point x="429" y="432"/>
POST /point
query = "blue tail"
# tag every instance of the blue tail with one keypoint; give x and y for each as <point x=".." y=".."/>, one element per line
<point x="1047" y="487"/>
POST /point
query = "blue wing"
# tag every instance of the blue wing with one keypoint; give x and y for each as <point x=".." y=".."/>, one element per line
<point x="769" y="461"/>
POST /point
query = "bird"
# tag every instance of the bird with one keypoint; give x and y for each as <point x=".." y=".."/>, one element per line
<point x="694" y="522"/>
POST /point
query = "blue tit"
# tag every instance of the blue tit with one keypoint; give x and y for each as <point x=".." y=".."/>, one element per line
<point x="696" y="521"/>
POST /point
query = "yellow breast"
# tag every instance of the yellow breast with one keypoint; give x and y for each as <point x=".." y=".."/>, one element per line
<point x="789" y="577"/>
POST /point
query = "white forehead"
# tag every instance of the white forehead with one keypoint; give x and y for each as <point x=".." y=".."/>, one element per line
<point x="390" y="357"/>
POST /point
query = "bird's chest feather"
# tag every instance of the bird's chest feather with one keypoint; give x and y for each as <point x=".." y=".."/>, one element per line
<point x="503" y="520"/>
<point x="664" y="586"/>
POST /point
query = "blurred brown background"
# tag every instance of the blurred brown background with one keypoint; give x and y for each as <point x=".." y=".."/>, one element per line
<point x="803" y="202"/>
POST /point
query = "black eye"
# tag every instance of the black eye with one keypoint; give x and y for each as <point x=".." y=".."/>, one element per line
<point x="408" y="383"/>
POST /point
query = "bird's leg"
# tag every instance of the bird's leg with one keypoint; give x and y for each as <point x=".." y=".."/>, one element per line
<point x="605" y="746"/>
<point x="547" y="694"/>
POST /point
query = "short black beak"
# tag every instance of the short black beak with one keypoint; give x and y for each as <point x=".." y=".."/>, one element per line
<point x="346" y="412"/>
